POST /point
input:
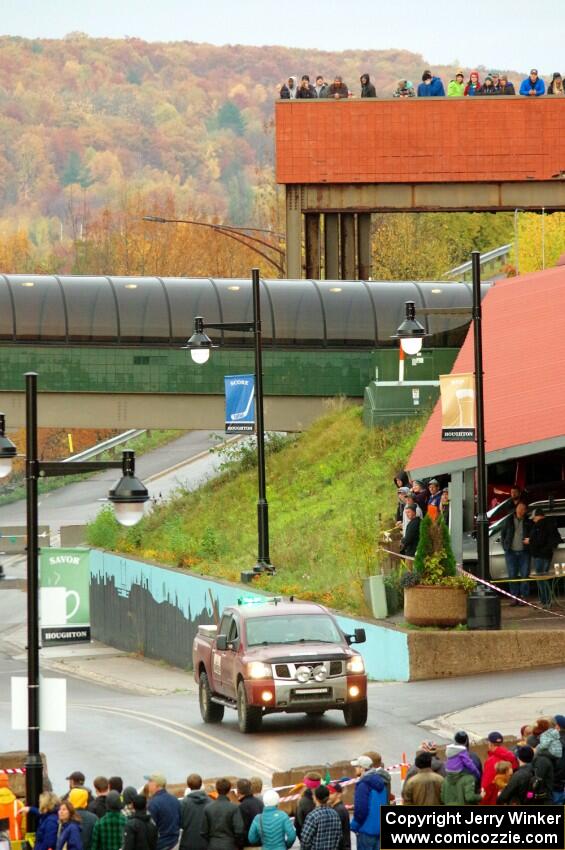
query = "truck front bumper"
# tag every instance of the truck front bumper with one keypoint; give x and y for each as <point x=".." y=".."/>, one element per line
<point x="275" y="695"/>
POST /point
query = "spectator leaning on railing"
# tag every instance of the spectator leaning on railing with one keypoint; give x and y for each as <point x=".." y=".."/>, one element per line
<point x="430" y="86"/>
<point x="532" y="86"/>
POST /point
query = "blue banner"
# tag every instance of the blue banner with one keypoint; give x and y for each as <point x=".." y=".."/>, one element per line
<point x="240" y="404"/>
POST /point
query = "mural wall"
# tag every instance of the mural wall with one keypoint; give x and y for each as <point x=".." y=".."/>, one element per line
<point x="156" y="611"/>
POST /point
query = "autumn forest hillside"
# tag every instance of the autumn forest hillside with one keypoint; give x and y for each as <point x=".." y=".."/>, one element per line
<point x="96" y="132"/>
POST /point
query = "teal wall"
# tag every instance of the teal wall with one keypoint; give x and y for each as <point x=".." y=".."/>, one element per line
<point x="176" y="593"/>
<point x="153" y="370"/>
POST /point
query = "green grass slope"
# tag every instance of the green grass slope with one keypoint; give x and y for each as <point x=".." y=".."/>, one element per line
<point x="330" y="491"/>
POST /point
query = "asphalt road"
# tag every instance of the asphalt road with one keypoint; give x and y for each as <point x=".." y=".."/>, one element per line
<point x="114" y="731"/>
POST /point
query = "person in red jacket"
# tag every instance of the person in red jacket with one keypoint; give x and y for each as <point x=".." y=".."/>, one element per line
<point x="496" y="753"/>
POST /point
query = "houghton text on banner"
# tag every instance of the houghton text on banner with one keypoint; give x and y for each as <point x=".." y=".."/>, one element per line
<point x="458" y="406"/>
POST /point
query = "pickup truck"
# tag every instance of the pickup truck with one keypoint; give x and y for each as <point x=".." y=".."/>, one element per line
<point x="269" y="656"/>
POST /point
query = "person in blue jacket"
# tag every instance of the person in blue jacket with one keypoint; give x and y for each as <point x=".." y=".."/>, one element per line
<point x="48" y="821"/>
<point x="430" y="86"/>
<point x="69" y="836"/>
<point x="370" y="795"/>
<point x="532" y="86"/>
<point x="272" y="829"/>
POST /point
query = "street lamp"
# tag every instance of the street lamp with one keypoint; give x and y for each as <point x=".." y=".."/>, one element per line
<point x="128" y="496"/>
<point x="199" y="346"/>
<point x="483" y="606"/>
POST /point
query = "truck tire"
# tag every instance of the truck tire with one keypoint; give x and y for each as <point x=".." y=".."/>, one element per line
<point x="249" y="716"/>
<point x="355" y="714"/>
<point x="211" y="712"/>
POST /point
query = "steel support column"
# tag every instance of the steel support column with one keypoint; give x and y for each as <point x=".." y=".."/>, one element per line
<point x="331" y="246"/>
<point x="364" y="245"/>
<point x="293" y="233"/>
<point x="312" y="246"/>
<point x="348" y="246"/>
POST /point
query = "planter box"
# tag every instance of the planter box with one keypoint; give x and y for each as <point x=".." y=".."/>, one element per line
<point x="435" y="606"/>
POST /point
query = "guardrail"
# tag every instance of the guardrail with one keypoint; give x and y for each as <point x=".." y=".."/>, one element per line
<point x="105" y="445"/>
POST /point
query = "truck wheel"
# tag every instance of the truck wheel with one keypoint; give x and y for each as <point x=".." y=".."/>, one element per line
<point x="355" y="714"/>
<point x="211" y="712"/>
<point x="249" y="716"/>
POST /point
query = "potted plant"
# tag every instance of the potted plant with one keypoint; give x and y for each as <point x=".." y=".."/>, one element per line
<point x="434" y="595"/>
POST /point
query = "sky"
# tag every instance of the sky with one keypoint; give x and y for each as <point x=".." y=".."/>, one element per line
<point x="515" y="34"/>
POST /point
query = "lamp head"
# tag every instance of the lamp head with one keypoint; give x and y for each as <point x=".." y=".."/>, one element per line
<point x="8" y="450"/>
<point x="410" y="333"/>
<point x="130" y="494"/>
<point x="199" y="343"/>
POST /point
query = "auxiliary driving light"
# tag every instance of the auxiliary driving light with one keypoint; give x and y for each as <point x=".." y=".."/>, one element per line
<point x="302" y="674"/>
<point x="319" y="673"/>
<point x="266" y="696"/>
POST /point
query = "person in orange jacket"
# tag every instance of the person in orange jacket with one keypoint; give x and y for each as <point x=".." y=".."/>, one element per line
<point x="10" y="807"/>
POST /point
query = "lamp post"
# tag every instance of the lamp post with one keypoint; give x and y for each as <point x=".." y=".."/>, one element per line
<point x="238" y="234"/>
<point x="128" y="496"/>
<point x="200" y="346"/>
<point x="483" y="606"/>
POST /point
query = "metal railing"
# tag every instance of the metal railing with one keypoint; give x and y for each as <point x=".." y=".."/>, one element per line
<point x="488" y="257"/>
<point x="96" y="450"/>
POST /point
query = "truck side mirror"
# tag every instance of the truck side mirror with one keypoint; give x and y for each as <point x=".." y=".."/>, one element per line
<point x="360" y="636"/>
<point x="221" y="643"/>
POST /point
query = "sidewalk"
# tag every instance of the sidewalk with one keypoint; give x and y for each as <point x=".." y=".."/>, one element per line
<point x="108" y="666"/>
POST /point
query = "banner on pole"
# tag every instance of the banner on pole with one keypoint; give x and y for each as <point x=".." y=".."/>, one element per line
<point x="52" y="705"/>
<point x="240" y="404"/>
<point x="458" y="407"/>
<point x="64" y="596"/>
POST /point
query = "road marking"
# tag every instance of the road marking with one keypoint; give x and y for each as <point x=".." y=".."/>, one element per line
<point x="243" y="758"/>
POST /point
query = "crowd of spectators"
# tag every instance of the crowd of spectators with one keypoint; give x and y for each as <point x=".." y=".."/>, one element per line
<point x="494" y="83"/>
<point x="415" y="500"/>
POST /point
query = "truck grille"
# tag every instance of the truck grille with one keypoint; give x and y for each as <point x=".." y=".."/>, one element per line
<point x="336" y="668"/>
<point x="282" y="671"/>
<point x="310" y="694"/>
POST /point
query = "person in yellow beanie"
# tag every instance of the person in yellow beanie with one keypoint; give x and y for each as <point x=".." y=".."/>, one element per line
<point x="11" y="808"/>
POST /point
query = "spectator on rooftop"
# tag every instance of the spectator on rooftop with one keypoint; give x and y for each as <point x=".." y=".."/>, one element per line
<point x="505" y="86"/>
<point x="556" y="85"/>
<point x="488" y="87"/>
<point x="289" y="89"/>
<point x="321" y="86"/>
<point x="532" y="86"/>
<point x="338" y="90"/>
<point x="473" y="87"/>
<point x="306" y="90"/>
<point x="405" y="88"/>
<point x="456" y="87"/>
<point x="430" y="86"/>
<point x="367" y="88"/>
<point x="495" y="77"/>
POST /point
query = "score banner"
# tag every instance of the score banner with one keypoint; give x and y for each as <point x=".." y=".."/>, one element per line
<point x="240" y="404"/>
<point x="458" y="407"/>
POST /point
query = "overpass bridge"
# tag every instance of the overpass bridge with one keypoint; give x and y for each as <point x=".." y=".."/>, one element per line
<point x="108" y="349"/>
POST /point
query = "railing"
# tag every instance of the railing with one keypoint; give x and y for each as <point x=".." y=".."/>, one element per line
<point x="94" y="451"/>
<point x="488" y="257"/>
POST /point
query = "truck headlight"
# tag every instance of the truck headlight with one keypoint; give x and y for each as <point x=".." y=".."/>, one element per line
<point x="259" y="670"/>
<point x="356" y="665"/>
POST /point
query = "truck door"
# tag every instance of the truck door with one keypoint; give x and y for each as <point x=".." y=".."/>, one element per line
<point x="218" y="657"/>
<point x="229" y="661"/>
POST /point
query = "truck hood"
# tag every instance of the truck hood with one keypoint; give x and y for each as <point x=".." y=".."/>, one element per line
<point x="297" y="652"/>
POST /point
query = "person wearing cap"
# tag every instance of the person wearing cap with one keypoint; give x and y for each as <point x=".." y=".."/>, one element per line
<point x="140" y="832"/>
<point x="108" y="833"/>
<point x="377" y="761"/>
<point x="322" y="827"/>
<point x="11" y="808"/>
<point x="505" y="86"/>
<point x="438" y="766"/>
<point x="306" y="804"/>
<point x="222" y="827"/>
<point x="473" y="87"/>
<point x="165" y="811"/>
<point x="271" y="828"/>
<point x="76" y="779"/>
<point x="79" y="799"/>
<point x="516" y="792"/>
<point x="192" y="809"/>
<point x="462" y="739"/>
<point x="496" y="752"/>
<point x="337" y="804"/>
<point x="542" y="542"/>
<point x="424" y="786"/>
<point x="556" y="85"/>
<point x="402" y="492"/>
<point x="411" y="536"/>
<point x="488" y="87"/>
<point x="370" y="795"/>
<point x="404" y="88"/>
<point x="456" y="86"/>
<point x="98" y="805"/>
<point x="495" y="77"/>
<point x="434" y="499"/>
<point x="532" y="86"/>
<point x="514" y="532"/>
<point x="430" y="86"/>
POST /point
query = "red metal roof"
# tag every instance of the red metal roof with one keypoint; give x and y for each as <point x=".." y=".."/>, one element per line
<point x="524" y="372"/>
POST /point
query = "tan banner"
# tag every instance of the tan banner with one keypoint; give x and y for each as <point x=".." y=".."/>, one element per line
<point x="458" y="406"/>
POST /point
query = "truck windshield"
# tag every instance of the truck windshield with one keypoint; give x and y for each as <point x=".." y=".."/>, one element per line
<point x="298" y="628"/>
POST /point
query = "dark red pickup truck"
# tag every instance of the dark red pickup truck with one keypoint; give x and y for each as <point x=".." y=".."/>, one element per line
<point x="269" y="656"/>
